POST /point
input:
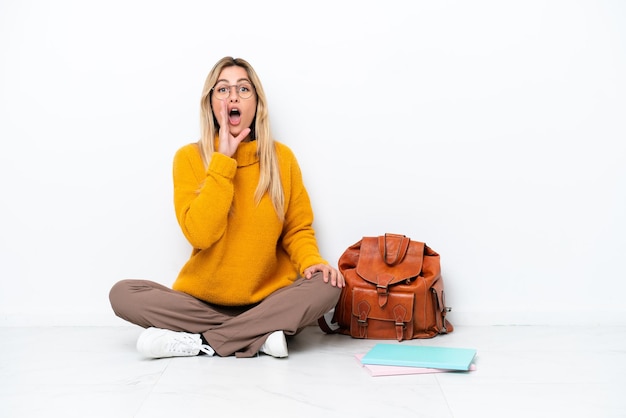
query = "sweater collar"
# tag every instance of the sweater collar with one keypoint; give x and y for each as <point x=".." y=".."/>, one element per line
<point x="246" y="153"/>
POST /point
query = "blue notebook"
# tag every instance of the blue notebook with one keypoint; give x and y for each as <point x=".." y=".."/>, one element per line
<point x="420" y="356"/>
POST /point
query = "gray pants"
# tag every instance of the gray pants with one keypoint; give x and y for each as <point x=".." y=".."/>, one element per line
<point x="228" y="330"/>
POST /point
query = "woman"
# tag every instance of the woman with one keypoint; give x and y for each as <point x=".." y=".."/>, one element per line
<point x="255" y="273"/>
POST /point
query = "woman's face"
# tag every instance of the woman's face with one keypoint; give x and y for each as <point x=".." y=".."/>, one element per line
<point x="232" y="83"/>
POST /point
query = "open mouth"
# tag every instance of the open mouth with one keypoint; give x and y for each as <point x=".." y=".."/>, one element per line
<point x="234" y="116"/>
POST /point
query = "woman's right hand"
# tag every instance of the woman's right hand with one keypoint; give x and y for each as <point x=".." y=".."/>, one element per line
<point x="228" y="143"/>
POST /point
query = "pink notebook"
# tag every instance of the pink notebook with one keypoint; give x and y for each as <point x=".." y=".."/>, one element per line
<point x="377" y="370"/>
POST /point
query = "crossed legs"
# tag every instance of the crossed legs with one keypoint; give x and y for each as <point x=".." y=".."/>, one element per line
<point x="228" y="330"/>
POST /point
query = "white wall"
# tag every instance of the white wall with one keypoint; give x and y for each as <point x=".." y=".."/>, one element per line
<point x="493" y="131"/>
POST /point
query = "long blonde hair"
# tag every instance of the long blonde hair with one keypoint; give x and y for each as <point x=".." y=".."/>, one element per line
<point x="269" y="179"/>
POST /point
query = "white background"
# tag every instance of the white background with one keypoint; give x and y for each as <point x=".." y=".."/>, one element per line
<point x="493" y="131"/>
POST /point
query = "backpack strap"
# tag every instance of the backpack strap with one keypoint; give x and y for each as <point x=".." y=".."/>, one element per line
<point x="363" y="311"/>
<point x="321" y="321"/>
<point x="399" y="313"/>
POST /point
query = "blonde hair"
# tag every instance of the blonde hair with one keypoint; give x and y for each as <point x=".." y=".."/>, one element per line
<point x="269" y="179"/>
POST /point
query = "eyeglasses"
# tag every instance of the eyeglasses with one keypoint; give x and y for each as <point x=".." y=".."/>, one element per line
<point x="222" y="91"/>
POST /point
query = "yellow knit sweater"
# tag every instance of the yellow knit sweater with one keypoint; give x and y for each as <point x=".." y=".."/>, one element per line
<point x="242" y="252"/>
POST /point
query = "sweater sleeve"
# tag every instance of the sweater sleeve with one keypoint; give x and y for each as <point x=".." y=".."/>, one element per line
<point x="299" y="239"/>
<point x="202" y="199"/>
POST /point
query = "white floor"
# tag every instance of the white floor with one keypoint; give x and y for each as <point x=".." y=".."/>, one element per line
<point x="521" y="372"/>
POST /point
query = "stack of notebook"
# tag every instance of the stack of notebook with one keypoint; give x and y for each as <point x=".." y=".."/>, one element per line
<point x="394" y="359"/>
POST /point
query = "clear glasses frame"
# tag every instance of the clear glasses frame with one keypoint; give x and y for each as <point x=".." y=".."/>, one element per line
<point x="243" y="90"/>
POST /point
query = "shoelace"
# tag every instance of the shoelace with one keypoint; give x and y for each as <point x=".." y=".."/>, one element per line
<point x="185" y="343"/>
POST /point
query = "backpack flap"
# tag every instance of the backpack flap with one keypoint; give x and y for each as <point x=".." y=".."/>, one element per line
<point x="387" y="260"/>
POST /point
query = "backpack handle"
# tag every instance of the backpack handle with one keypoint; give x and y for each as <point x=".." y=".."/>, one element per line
<point x="384" y="249"/>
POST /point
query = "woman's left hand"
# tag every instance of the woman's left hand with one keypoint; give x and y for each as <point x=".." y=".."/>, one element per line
<point x="330" y="275"/>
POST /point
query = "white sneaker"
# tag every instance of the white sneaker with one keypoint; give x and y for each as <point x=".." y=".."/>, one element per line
<point x="275" y="345"/>
<point x="160" y="343"/>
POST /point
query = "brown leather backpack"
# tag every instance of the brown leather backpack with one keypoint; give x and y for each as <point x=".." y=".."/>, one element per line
<point x="394" y="290"/>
